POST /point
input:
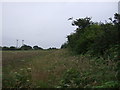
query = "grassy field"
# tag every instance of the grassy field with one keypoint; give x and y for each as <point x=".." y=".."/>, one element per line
<point x="55" y="69"/>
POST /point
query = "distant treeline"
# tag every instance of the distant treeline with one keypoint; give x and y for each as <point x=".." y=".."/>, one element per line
<point x="24" y="47"/>
<point x="96" y="39"/>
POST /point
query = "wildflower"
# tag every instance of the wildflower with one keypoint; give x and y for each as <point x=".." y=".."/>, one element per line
<point x="58" y="87"/>
<point x="28" y="80"/>
<point x="23" y="60"/>
<point x="21" y="69"/>
<point x="29" y="68"/>
<point x="15" y="72"/>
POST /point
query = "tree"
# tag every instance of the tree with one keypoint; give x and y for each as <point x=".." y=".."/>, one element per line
<point x="64" y="45"/>
<point x="0" y="48"/>
<point x="26" y="47"/>
<point x="77" y="41"/>
<point x="5" y="48"/>
<point x="82" y="23"/>
<point x="98" y="39"/>
<point x="117" y="18"/>
<point x="37" y="48"/>
<point x="52" y="48"/>
<point x="12" y="48"/>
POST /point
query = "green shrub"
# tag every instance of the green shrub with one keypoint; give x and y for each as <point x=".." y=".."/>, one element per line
<point x="109" y="84"/>
<point x="70" y="79"/>
<point x="97" y="39"/>
<point x="18" y="79"/>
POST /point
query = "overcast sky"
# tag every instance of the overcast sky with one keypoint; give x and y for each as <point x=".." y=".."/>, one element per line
<point x="46" y="24"/>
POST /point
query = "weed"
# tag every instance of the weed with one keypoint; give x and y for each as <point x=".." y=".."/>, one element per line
<point x="71" y="79"/>
<point x="20" y="79"/>
<point x="109" y="84"/>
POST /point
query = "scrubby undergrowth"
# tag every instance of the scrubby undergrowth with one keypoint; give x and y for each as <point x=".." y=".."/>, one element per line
<point x="57" y="69"/>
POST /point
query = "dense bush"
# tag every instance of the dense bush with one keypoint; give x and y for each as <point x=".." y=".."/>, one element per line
<point x="110" y="84"/>
<point x="97" y="39"/>
<point x="18" y="79"/>
<point x="64" y="45"/>
<point x="71" y="79"/>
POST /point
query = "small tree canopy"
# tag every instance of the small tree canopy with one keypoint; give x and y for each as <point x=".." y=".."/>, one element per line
<point x="37" y="48"/>
<point x="26" y="47"/>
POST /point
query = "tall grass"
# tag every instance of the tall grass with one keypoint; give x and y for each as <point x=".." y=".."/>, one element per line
<point x="49" y="69"/>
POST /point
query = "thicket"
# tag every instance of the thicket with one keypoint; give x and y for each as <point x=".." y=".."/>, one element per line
<point x="96" y="39"/>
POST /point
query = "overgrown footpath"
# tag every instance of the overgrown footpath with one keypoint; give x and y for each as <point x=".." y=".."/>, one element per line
<point x="57" y="69"/>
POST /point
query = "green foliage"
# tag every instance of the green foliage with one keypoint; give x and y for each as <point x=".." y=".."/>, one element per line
<point x="5" y="48"/>
<point x="37" y="48"/>
<point x="113" y="52"/>
<point x="9" y="48"/>
<point x="41" y="84"/>
<point x="97" y="39"/>
<point x="26" y="47"/>
<point x="117" y="69"/>
<point x="100" y="40"/>
<point x="82" y="23"/>
<point x="12" y="48"/>
<point x="71" y="79"/>
<point x="64" y="45"/>
<point x="20" y="79"/>
<point x="109" y="84"/>
<point x="52" y="68"/>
